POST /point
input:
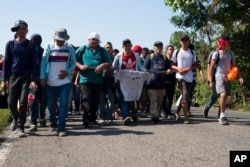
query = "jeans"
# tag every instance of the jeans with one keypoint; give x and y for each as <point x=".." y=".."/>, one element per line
<point x="107" y="96"/>
<point x="39" y="106"/>
<point x="18" y="90"/>
<point x="212" y="99"/>
<point x="126" y="106"/>
<point x="63" y="93"/>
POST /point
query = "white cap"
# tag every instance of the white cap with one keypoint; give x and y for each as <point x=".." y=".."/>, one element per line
<point x="94" y="35"/>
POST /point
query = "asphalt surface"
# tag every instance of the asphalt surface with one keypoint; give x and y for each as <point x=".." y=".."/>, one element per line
<point x="203" y="143"/>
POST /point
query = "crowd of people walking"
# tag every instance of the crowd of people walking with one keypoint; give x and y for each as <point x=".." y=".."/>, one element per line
<point x="101" y="83"/>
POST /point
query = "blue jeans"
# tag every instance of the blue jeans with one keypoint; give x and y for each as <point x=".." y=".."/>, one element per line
<point x="39" y="106"/>
<point x="106" y="110"/>
<point x="63" y="93"/>
<point x="212" y="99"/>
<point x="126" y="106"/>
<point x="76" y="95"/>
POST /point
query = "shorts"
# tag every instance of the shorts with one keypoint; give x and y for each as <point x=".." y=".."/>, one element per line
<point x="223" y="86"/>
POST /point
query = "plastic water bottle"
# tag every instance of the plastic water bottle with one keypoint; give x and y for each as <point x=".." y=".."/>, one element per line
<point x="31" y="97"/>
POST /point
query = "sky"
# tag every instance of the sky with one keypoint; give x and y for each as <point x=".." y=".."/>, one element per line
<point x="141" y="21"/>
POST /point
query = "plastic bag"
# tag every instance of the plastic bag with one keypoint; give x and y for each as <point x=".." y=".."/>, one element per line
<point x="178" y="101"/>
<point x="232" y="74"/>
<point x="3" y="100"/>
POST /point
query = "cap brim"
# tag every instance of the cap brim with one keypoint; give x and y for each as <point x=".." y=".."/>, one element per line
<point x="13" y="29"/>
<point x="60" y="39"/>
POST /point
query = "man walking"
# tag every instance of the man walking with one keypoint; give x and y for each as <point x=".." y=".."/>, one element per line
<point x="92" y="59"/>
<point x="19" y="74"/>
<point x="223" y="60"/>
<point x="58" y="63"/>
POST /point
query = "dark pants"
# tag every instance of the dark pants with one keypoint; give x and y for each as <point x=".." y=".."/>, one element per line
<point x="185" y="88"/>
<point x="191" y="93"/>
<point x="18" y="90"/>
<point x="169" y="96"/>
<point x="39" y="106"/>
<point x="90" y="95"/>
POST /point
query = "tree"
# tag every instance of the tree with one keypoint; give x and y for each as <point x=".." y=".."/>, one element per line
<point x="208" y="19"/>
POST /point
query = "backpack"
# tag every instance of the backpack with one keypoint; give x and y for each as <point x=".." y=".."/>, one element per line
<point x="217" y="61"/>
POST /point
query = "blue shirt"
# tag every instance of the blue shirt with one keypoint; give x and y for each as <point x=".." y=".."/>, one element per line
<point x="20" y="59"/>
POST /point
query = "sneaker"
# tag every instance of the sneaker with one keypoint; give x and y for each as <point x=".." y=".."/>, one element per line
<point x="13" y="125"/>
<point x="109" y="121"/>
<point x="62" y="133"/>
<point x="134" y="118"/>
<point x="163" y="114"/>
<point x="42" y="122"/>
<point x="33" y="128"/>
<point x="127" y="121"/>
<point x="169" y="116"/>
<point x="70" y="113"/>
<point x="155" y="119"/>
<point x="143" y="114"/>
<point x="187" y="121"/>
<point x="223" y="121"/>
<point x="21" y="133"/>
<point x="52" y="127"/>
<point x="205" y="111"/>
<point x="77" y="113"/>
<point x="101" y="121"/>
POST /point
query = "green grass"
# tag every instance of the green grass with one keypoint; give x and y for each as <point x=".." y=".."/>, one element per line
<point x="4" y="118"/>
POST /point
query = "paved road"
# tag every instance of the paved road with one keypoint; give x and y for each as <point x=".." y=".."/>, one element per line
<point x="203" y="143"/>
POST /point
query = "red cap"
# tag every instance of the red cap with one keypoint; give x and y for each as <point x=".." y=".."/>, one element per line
<point x="137" y="48"/>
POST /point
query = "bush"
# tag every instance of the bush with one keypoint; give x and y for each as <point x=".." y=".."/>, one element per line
<point x="5" y="117"/>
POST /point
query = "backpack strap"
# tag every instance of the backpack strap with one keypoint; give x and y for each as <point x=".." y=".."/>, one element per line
<point x="81" y="53"/>
<point x="11" y="46"/>
<point x="176" y="54"/>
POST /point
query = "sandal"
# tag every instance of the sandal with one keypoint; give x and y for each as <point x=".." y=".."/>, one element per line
<point x="116" y="115"/>
<point x="177" y="116"/>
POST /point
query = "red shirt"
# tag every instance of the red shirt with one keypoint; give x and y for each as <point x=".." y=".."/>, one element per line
<point x="128" y="61"/>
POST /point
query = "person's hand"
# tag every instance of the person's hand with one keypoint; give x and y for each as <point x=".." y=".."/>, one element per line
<point x="43" y="82"/>
<point x="241" y="80"/>
<point x="168" y="71"/>
<point x="99" y="69"/>
<point x="33" y="85"/>
<point x="4" y="85"/>
<point x="63" y="74"/>
<point x="211" y="85"/>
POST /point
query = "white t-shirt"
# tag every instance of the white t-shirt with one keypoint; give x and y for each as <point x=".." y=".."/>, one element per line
<point x="131" y="83"/>
<point x="185" y="58"/>
<point x="57" y="62"/>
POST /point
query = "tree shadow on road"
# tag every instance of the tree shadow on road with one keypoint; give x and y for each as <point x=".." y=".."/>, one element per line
<point x="107" y="131"/>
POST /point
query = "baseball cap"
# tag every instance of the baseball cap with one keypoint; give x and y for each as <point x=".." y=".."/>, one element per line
<point x="136" y="48"/>
<point x="17" y="24"/>
<point x="94" y="35"/>
<point x="184" y="36"/>
<point x="126" y="41"/>
<point x="226" y="37"/>
<point x="158" y="43"/>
